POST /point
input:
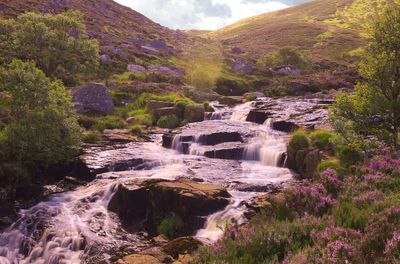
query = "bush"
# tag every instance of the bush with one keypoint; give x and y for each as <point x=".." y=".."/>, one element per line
<point x="136" y="130"/>
<point x="348" y="215"/>
<point x="349" y="156"/>
<point x="86" y="121"/>
<point x="321" y="139"/>
<point x="13" y="174"/>
<point x="92" y="137"/>
<point x="110" y="122"/>
<point x="170" y="226"/>
<point x="299" y="140"/>
<point x="169" y="121"/>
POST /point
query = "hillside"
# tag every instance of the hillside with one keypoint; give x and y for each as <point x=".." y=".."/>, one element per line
<point x="329" y="29"/>
<point x="124" y="34"/>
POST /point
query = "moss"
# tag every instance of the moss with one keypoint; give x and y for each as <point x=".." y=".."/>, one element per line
<point x="170" y="226"/>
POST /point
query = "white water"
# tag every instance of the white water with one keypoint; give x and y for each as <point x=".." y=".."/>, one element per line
<point x="73" y="226"/>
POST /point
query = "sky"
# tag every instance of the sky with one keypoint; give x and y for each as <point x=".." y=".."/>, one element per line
<point x="204" y="14"/>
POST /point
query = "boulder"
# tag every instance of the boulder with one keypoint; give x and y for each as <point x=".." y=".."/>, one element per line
<point x="157" y="113"/>
<point x="158" y="44"/>
<point x="93" y="98"/>
<point x="139" y="259"/>
<point x="154" y="199"/>
<point x="194" y="113"/>
<point x="258" y="116"/>
<point x="303" y="161"/>
<point x="136" y="68"/>
<point x="181" y="246"/>
<point x="284" y="126"/>
<point x="105" y="58"/>
<point x="242" y="66"/>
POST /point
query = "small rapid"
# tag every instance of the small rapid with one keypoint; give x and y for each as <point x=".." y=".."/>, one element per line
<point x="76" y="227"/>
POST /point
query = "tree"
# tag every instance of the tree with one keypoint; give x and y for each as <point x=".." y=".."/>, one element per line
<point x="44" y="128"/>
<point x="374" y="108"/>
<point x="58" y="44"/>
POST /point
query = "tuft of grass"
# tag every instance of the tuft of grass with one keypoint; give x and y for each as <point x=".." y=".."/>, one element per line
<point x="170" y="226"/>
<point x="92" y="137"/>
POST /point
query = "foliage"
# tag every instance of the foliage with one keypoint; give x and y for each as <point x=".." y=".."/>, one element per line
<point x="58" y="44"/>
<point x="321" y="139"/>
<point x="142" y="117"/>
<point x="299" y="140"/>
<point x="110" y="122"/>
<point x="285" y="56"/>
<point x="332" y="164"/>
<point x="374" y="108"/>
<point x="91" y="137"/>
<point x="170" y="226"/>
<point x="136" y="130"/>
<point x="44" y="128"/>
<point x="348" y="215"/>
<point x="168" y="121"/>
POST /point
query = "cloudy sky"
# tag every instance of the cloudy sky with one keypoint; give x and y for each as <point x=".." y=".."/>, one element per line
<point x="203" y="14"/>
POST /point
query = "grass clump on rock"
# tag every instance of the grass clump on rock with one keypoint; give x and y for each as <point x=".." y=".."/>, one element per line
<point x="299" y="140"/>
<point x="168" y="121"/>
<point x="170" y="225"/>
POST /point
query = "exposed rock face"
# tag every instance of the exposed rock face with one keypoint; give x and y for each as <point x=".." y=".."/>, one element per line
<point x="93" y="98"/>
<point x="284" y="126"/>
<point x="304" y="161"/>
<point x="258" y="116"/>
<point x="182" y="245"/>
<point x="156" y="199"/>
<point x="136" y="68"/>
<point x="194" y="113"/>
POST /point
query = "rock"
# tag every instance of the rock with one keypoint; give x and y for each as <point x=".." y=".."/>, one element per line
<point x="161" y="239"/>
<point x="158" y="44"/>
<point x="153" y="105"/>
<point x="284" y="126"/>
<point x="118" y="136"/>
<point x="158" y="253"/>
<point x="229" y="151"/>
<point x="136" y="68"/>
<point x="287" y="70"/>
<point x="231" y="100"/>
<point x="152" y="199"/>
<point x="157" y="113"/>
<point x="148" y="49"/>
<point x="258" y="116"/>
<point x="304" y="161"/>
<point x="184" y="259"/>
<point x="236" y="50"/>
<point x="93" y="98"/>
<point x="139" y="40"/>
<point x="200" y="95"/>
<point x="139" y="259"/>
<point x="162" y="70"/>
<point x="242" y="66"/>
<point x="194" y="113"/>
<point x="181" y="246"/>
<point x="105" y="58"/>
<point x="229" y="87"/>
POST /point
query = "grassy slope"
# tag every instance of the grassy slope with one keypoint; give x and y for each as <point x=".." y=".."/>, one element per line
<point x="328" y="29"/>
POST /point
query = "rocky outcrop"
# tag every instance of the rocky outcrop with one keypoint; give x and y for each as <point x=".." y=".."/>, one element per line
<point x="284" y="126"/>
<point x="303" y="161"/>
<point x="194" y="113"/>
<point x="242" y="66"/>
<point x="93" y="98"/>
<point x="152" y="200"/>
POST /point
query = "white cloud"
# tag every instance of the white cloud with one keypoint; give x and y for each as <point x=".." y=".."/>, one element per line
<point x="202" y="14"/>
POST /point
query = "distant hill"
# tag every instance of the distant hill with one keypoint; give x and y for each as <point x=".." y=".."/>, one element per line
<point x="332" y="30"/>
<point x="124" y="34"/>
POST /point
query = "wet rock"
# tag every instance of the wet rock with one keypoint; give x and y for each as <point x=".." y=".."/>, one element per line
<point x="150" y="200"/>
<point x="284" y="126"/>
<point x="194" y="113"/>
<point x="227" y="151"/>
<point x="136" y="68"/>
<point x="258" y="116"/>
<point x="181" y="246"/>
<point x="93" y="98"/>
<point x="167" y="140"/>
<point x="139" y="259"/>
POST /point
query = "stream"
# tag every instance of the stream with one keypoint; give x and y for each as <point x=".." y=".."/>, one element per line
<point x="76" y="227"/>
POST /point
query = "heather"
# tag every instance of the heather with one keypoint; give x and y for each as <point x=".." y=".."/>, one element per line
<point x="353" y="218"/>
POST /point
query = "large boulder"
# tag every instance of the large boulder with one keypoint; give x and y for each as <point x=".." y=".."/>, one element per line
<point x="155" y="199"/>
<point x="194" y="113"/>
<point x="93" y="98"/>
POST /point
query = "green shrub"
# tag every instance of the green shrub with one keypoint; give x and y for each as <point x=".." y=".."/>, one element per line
<point x="349" y="156"/>
<point x="87" y="121"/>
<point x="347" y="214"/>
<point x="250" y="97"/>
<point x="299" y="140"/>
<point x="286" y="56"/>
<point x="136" y="130"/>
<point x="170" y="226"/>
<point x="92" y="137"/>
<point x="169" y="121"/>
<point x="13" y="174"/>
<point x="321" y="139"/>
<point x="142" y="117"/>
<point x="333" y="164"/>
<point x="110" y="122"/>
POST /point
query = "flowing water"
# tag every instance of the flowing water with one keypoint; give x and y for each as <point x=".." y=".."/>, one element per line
<point x="76" y="227"/>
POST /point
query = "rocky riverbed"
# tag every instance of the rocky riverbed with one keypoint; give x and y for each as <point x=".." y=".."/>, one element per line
<point x="206" y="173"/>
